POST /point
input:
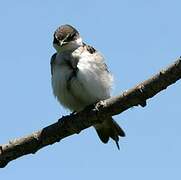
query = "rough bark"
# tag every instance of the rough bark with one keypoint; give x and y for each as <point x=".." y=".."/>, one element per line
<point x="74" y="123"/>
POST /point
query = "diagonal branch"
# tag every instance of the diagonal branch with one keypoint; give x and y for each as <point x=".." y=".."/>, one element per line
<point x="74" y="123"/>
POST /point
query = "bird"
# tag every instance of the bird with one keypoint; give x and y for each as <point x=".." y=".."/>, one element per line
<point x="80" y="77"/>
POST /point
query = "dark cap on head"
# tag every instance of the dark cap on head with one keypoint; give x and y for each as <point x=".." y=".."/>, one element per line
<point x="66" y="33"/>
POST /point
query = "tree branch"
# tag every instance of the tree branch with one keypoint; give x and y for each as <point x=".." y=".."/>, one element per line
<point x="74" y="123"/>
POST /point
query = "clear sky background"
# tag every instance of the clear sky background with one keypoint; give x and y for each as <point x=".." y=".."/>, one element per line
<point x="137" y="38"/>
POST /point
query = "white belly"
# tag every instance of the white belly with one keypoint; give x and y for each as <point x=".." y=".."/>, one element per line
<point x="90" y="85"/>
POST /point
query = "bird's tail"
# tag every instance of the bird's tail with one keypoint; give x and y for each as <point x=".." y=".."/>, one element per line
<point x="109" y="129"/>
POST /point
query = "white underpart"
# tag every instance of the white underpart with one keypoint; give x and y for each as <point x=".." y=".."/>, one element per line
<point x="91" y="84"/>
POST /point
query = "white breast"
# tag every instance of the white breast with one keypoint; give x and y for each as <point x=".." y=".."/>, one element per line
<point x="90" y="85"/>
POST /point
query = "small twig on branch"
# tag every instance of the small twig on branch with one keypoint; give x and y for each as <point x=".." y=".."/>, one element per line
<point x="74" y="123"/>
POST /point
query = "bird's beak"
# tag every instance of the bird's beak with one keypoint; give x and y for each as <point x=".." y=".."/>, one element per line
<point x="59" y="43"/>
<point x="62" y="43"/>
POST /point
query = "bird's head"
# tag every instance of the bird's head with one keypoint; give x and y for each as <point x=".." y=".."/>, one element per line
<point x="66" y="38"/>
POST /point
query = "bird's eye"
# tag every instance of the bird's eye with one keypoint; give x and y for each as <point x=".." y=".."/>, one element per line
<point x="70" y="37"/>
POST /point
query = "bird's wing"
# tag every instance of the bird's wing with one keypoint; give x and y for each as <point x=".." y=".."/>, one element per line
<point x="89" y="48"/>
<point x="52" y="62"/>
<point x="97" y="56"/>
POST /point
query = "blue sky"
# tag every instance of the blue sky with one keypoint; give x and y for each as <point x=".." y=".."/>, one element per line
<point x="137" y="38"/>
